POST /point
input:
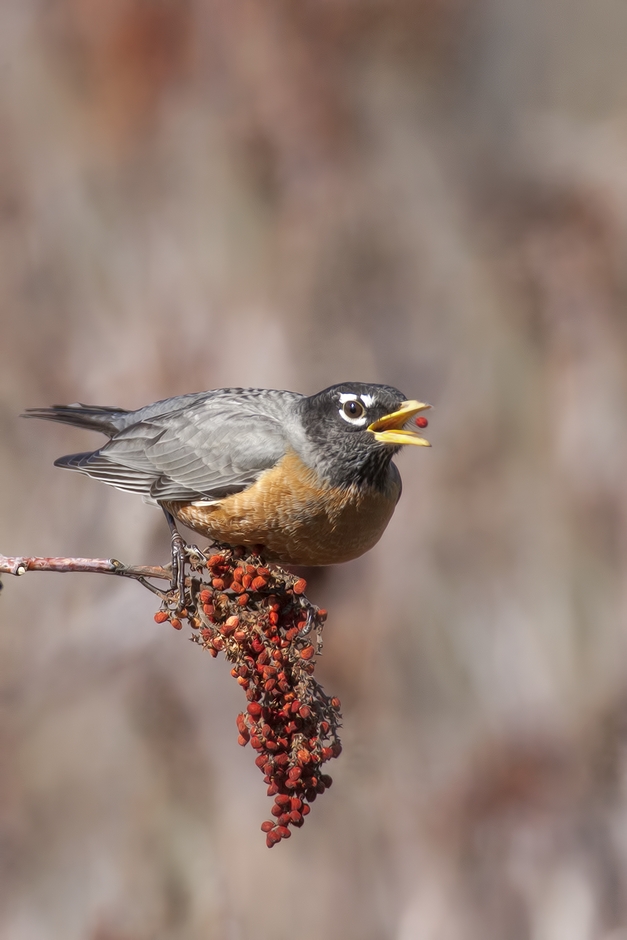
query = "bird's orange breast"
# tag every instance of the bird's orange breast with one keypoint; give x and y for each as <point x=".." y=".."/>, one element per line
<point x="297" y="519"/>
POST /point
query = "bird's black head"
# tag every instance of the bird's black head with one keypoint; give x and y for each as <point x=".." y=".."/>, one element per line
<point x="355" y="429"/>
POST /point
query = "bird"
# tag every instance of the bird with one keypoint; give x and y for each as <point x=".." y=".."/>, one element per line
<point x="302" y="479"/>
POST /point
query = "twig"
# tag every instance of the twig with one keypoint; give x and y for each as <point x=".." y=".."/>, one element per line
<point x="19" y="565"/>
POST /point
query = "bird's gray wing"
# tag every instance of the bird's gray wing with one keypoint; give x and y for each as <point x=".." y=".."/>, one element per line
<point x="205" y="450"/>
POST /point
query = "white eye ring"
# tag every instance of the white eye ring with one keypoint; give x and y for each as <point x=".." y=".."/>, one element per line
<point x="353" y="411"/>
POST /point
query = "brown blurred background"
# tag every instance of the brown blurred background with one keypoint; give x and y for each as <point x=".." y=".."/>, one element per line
<point x="428" y="193"/>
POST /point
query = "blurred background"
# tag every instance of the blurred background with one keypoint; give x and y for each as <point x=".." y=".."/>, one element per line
<point x="426" y="193"/>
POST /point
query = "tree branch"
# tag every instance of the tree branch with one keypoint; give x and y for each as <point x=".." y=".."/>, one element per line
<point x="18" y="565"/>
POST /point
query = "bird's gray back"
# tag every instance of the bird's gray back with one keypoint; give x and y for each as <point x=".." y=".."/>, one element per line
<point x="267" y="401"/>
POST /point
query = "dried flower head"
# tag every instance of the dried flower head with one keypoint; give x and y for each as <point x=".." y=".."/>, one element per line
<point x="261" y="620"/>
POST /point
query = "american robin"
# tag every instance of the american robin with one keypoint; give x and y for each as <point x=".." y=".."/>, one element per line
<point x="308" y="478"/>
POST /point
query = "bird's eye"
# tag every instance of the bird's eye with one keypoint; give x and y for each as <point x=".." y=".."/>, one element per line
<point x="353" y="409"/>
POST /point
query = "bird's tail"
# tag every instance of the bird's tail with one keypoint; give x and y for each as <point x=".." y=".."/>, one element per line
<point x="95" y="417"/>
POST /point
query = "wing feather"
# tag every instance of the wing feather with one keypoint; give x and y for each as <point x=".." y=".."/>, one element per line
<point x="206" y="449"/>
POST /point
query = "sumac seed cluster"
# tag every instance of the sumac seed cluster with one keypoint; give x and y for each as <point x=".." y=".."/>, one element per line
<point x="261" y="620"/>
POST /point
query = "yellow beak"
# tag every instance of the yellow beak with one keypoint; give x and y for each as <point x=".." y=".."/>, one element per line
<point x="390" y="429"/>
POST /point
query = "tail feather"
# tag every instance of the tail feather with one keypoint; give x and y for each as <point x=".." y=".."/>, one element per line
<point x="74" y="461"/>
<point x="95" y="417"/>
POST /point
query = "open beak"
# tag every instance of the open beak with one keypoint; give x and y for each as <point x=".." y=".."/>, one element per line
<point x="390" y="429"/>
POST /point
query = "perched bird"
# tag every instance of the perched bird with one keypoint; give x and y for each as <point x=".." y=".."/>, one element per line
<point x="309" y="480"/>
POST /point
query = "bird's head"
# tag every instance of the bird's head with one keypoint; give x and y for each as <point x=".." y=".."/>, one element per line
<point x="355" y="429"/>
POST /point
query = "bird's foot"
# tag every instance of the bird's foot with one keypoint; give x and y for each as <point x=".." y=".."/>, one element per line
<point x="196" y="557"/>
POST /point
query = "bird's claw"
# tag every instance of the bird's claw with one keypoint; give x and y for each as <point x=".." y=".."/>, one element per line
<point x="308" y="623"/>
<point x="195" y="555"/>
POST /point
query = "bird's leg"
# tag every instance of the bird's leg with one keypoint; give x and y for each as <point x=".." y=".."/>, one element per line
<point x="178" y="560"/>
